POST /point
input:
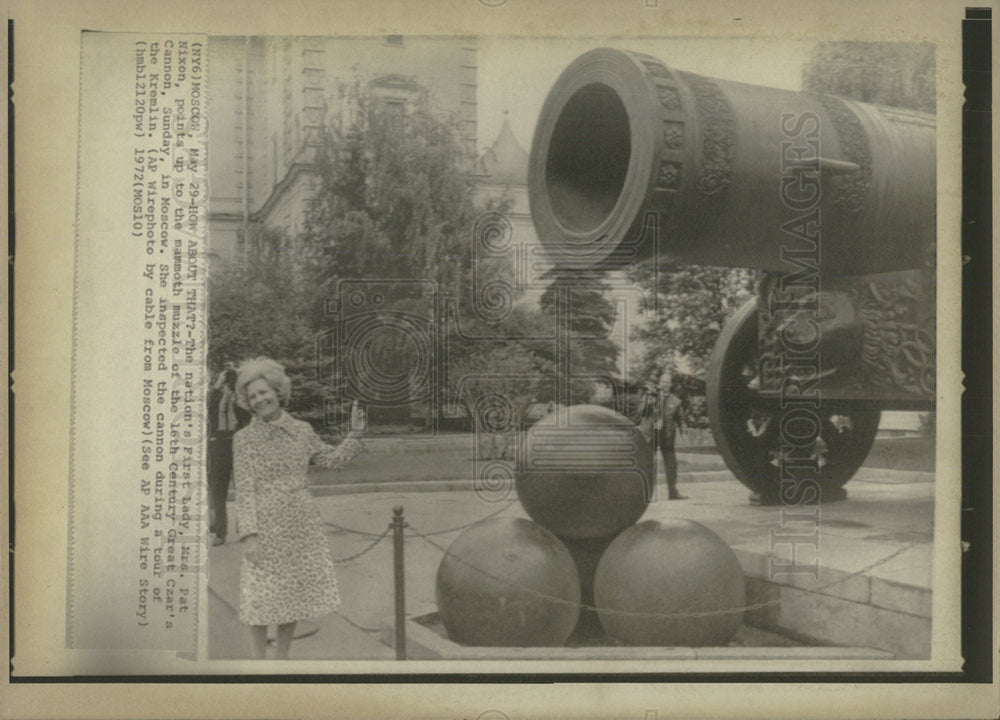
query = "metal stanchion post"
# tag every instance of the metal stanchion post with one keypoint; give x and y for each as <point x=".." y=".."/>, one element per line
<point x="397" y="526"/>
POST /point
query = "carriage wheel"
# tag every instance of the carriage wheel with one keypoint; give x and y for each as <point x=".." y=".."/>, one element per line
<point x="747" y="427"/>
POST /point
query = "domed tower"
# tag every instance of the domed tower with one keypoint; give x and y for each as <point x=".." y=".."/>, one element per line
<point x="501" y="173"/>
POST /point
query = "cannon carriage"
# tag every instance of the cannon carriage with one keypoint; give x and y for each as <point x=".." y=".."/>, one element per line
<point x="831" y="200"/>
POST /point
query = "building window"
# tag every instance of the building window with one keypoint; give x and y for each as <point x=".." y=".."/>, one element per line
<point x="395" y="110"/>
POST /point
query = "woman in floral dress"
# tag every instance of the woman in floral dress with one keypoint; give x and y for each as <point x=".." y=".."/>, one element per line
<point x="287" y="569"/>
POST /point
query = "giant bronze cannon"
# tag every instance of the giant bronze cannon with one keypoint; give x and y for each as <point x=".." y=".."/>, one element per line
<point x="832" y="200"/>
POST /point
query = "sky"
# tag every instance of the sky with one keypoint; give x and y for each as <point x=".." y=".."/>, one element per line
<point x="516" y="74"/>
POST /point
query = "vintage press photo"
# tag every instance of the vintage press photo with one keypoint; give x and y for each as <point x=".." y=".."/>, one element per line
<point x="620" y="353"/>
<point x="510" y="343"/>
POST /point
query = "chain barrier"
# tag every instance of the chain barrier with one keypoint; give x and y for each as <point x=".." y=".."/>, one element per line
<point x="641" y="614"/>
<point x="352" y="531"/>
<point x="430" y="534"/>
<point x="474" y="522"/>
<point x="367" y="549"/>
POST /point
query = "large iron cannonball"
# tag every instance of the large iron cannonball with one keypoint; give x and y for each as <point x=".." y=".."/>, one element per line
<point x="495" y="581"/>
<point x="586" y="472"/>
<point x="669" y="568"/>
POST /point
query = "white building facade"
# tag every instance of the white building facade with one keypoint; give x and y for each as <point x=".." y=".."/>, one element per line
<point x="272" y="97"/>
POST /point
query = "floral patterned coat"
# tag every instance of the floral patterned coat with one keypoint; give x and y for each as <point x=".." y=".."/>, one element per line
<point x="293" y="577"/>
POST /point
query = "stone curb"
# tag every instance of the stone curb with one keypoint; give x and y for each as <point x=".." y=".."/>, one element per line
<point x="423" y="643"/>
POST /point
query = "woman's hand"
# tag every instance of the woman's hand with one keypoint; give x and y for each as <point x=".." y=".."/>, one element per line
<point x="250" y="548"/>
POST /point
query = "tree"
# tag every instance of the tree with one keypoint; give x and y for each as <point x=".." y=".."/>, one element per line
<point x="256" y="305"/>
<point x="580" y="297"/>
<point x="899" y="74"/>
<point x="685" y="310"/>
<point x="396" y="212"/>
<point x="394" y="200"/>
<point x="259" y="305"/>
<point x="495" y="382"/>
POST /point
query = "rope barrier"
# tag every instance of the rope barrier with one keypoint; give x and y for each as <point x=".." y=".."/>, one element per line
<point x="352" y="530"/>
<point x="436" y="532"/>
<point x="474" y="522"/>
<point x="642" y="614"/>
<point x="368" y="548"/>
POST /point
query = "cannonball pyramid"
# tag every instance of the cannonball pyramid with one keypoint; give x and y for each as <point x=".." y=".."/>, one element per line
<point x="585" y="478"/>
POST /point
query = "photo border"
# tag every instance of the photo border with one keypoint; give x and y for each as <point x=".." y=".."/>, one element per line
<point x="136" y="696"/>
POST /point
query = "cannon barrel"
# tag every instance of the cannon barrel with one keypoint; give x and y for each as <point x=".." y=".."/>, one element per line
<point x="735" y="174"/>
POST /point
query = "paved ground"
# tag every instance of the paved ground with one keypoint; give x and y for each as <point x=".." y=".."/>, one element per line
<point x="888" y="516"/>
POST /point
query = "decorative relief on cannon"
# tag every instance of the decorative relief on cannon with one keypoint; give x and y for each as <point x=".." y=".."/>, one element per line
<point x="673" y="135"/>
<point x="850" y="189"/>
<point x="655" y="68"/>
<point x="669" y="174"/>
<point x="669" y="98"/>
<point x="718" y="130"/>
<point x="822" y="326"/>
<point x="875" y="334"/>
<point x="898" y="348"/>
<point x="669" y="177"/>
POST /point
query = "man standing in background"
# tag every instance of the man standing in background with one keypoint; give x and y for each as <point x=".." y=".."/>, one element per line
<point x="661" y="415"/>
<point x="225" y="417"/>
<point x="670" y="419"/>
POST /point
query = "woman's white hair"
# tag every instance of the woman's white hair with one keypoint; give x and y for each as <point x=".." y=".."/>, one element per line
<point x="262" y="368"/>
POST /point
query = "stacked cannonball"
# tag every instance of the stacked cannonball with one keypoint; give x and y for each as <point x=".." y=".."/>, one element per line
<point x="585" y="478"/>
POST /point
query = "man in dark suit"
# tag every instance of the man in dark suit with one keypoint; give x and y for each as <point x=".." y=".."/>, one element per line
<point x="225" y="417"/>
<point x="670" y="419"/>
<point x="661" y="415"/>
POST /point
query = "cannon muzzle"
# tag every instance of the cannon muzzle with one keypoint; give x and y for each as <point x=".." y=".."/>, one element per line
<point x="632" y="158"/>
